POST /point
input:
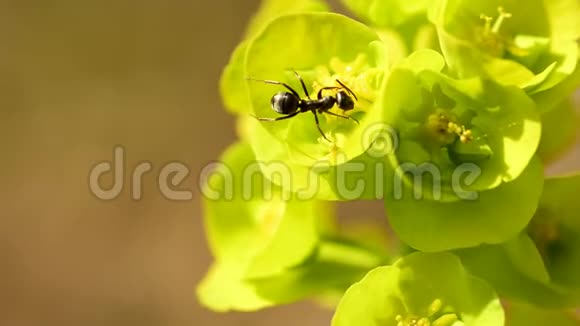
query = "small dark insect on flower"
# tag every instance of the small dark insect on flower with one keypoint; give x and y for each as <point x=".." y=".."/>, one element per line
<point x="290" y="104"/>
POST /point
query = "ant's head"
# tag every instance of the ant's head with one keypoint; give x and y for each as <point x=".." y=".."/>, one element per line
<point x="344" y="101"/>
<point x="285" y="103"/>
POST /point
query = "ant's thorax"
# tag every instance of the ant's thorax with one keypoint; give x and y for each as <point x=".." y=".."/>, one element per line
<point x="323" y="104"/>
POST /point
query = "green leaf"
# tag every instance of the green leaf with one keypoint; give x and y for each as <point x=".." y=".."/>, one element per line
<point x="223" y="290"/>
<point x="491" y="217"/>
<point x="541" y="268"/>
<point x="559" y="199"/>
<point x="522" y="276"/>
<point x="559" y="130"/>
<point x="268" y="250"/>
<point x="271" y="9"/>
<point x="233" y="87"/>
<point x="429" y="287"/>
<point x="565" y="31"/>
<point x="425" y="37"/>
<point x="556" y="230"/>
<point x="387" y="13"/>
<point x="360" y="178"/>
<point x="332" y="270"/>
<point x="526" y="258"/>
<point x="406" y="18"/>
<point x="425" y="59"/>
<point x="395" y="43"/>
<point x="249" y="219"/>
<point x="551" y="98"/>
<point x="513" y="131"/>
<point x="226" y="286"/>
<point x="527" y="315"/>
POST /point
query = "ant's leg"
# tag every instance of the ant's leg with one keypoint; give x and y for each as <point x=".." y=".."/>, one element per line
<point x="273" y="82"/>
<point x="279" y="118"/>
<point x="319" y="96"/>
<point x="348" y="89"/>
<point x="318" y="126"/>
<point x="342" y="116"/>
<point x="303" y="85"/>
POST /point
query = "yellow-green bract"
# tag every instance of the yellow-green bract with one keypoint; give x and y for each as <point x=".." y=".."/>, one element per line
<point x="420" y="289"/>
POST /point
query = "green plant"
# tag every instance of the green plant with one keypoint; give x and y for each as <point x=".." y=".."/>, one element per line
<point x="461" y="104"/>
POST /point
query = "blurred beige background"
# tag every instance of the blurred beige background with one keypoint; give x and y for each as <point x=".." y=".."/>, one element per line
<point x="76" y="79"/>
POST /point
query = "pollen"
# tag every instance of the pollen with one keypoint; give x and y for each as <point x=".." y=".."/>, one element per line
<point x="443" y="128"/>
<point x="465" y="135"/>
<point x="503" y="15"/>
<point x="490" y="37"/>
<point x="358" y="75"/>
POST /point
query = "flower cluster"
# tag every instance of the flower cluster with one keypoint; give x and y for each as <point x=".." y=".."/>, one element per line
<point x="444" y="110"/>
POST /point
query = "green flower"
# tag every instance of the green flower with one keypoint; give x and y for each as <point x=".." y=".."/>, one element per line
<point x="324" y="49"/>
<point x="532" y="46"/>
<point x="452" y="142"/>
<point x="251" y="224"/>
<point x="465" y="151"/>
<point x="268" y="248"/>
<point x="420" y="289"/>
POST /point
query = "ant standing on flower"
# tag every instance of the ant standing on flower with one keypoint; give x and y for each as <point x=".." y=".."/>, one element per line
<point x="290" y="104"/>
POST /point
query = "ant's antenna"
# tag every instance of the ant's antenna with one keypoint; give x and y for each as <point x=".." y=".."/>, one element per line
<point x="348" y="89"/>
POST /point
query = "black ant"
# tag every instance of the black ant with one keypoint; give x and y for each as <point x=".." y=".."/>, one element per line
<point x="290" y="103"/>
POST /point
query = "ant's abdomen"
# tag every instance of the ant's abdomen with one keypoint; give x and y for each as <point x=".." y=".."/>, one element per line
<point x="284" y="103"/>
